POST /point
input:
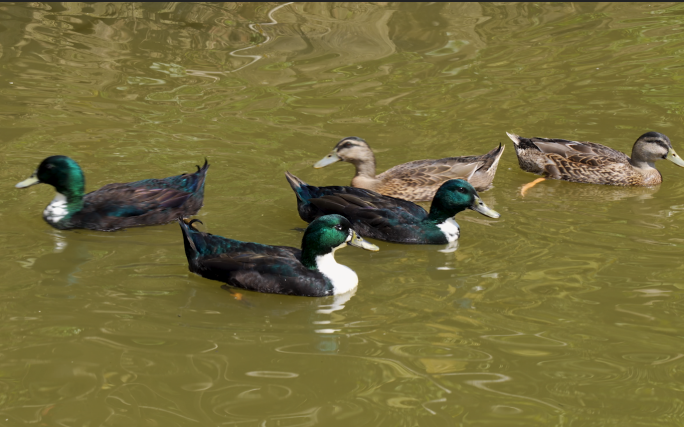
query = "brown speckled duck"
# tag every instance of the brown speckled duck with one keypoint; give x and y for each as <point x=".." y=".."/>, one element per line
<point x="415" y="181"/>
<point x="592" y="163"/>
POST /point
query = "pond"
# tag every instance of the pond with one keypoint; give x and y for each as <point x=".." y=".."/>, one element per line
<point x="567" y="310"/>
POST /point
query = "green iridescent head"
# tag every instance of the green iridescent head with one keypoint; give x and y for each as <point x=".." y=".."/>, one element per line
<point x="61" y="172"/>
<point x="327" y="234"/>
<point x="457" y="195"/>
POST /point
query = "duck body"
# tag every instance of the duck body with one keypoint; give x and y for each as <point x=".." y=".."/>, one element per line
<point x="115" y="206"/>
<point x="415" y="181"/>
<point x="588" y="162"/>
<point x="388" y="218"/>
<point x="311" y="272"/>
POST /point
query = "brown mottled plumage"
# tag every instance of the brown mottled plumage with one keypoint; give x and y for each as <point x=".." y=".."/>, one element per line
<point x="415" y="181"/>
<point x="593" y="163"/>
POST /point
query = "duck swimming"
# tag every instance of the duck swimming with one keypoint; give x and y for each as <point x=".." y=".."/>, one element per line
<point x="115" y="206"/>
<point x="593" y="163"/>
<point x="388" y="218"/>
<point x="311" y="272"/>
<point x="418" y="180"/>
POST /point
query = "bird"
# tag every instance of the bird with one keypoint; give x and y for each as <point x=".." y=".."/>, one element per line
<point x="388" y="218"/>
<point x="115" y="206"/>
<point x="416" y="181"/>
<point x="592" y="163"/>
<point x="311" y="271"/>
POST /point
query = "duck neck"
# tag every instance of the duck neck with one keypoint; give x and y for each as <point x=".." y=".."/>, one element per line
<point x="365" y="174"/>
<point x="365" y="167"/>
<point x="71" y="195"/>
<point x="641" y="164"/>
<point x="641" y="158"/>
<point x="342" y="278"/>
<point x="440" y="213"/>
<point x="310" y="257"/>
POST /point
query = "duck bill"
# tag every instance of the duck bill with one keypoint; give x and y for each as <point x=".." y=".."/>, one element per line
<point x="357" y="241"/>
<point x="32" y="180"/>
<point x="327" y="160"/>
<point x="480" y="207"/>
<point x="674" y="158"/>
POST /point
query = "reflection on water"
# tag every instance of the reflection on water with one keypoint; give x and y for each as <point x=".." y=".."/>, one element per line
<point x="566" y="310"/>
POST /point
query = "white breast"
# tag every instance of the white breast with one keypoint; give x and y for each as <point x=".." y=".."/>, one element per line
<point x="342" y="277"/>
<point x="57" y="209"/>
<point x="450" y="229"/>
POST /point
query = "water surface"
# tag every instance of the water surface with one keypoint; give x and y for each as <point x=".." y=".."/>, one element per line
<point x="565" y="311"/>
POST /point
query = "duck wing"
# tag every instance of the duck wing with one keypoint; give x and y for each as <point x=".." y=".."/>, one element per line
<point x="420" y="179"/>
<point x="124" y="200"/>
<point x="378" y="217"/>
<point x="352" y="198"/>
<point x="146" y="202"/>
<point x="263" y="268"/>
<point x="251" y="266"/>
<point x="588" y="153"/>
<point x="571" y="160"/>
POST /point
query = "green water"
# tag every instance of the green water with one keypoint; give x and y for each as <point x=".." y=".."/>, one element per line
<point x="565" y="311"/>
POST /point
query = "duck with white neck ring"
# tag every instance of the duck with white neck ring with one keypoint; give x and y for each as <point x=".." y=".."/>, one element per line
<point x="115" y="206"/>
<point x="311" y="271"/>
<point x="388" y="218"/>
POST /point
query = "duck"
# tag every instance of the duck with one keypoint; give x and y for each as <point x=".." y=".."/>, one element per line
<point x="391" y="219"/>
<point x="115" y="206"/>
<point x="588" y="162"/>
<point x="416" y="181"/>
<point x="311" y="271"/>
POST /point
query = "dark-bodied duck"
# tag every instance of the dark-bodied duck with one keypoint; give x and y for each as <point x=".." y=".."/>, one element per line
<point x="311" y="272"/>
<point x="593" y="163"/>
<point x="388" y="218"/>
<point x="115" y="206"/>
<point x="418" y="180"/>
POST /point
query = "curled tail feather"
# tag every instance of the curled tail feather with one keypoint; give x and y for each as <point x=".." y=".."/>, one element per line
<point x="202" y="174"/>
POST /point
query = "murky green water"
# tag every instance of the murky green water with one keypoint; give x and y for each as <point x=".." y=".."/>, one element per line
<point x="565" y="311"/>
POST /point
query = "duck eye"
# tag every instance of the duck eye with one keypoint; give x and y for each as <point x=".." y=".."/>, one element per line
<point x="461" y="190"/>
<point x="338" y="227"/>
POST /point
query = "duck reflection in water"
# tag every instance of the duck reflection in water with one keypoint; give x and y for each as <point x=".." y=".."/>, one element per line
<point x="61" y="266"/>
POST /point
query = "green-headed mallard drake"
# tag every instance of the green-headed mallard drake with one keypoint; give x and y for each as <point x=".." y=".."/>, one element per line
<point x="595" y="163"/>
<point x="388" y="218"/>
<point x="418" y="180"/>
<point x="311" y="272"/>
<point x="115" y="206"/>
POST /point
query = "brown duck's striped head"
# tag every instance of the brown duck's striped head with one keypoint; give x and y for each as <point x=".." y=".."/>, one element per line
<point x="653" y="146"/>
<point x="351" y="149"/>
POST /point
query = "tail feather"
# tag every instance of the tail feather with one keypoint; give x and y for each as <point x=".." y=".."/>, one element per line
<point x="191" y="251"/>
<point x="499" y="153"/>
<point x="202" y="175"/>
<point x="491" y="159"/>
<point x="300" y="187"/>
<point x="515" y="138"/>
<point x="204" y="167"/>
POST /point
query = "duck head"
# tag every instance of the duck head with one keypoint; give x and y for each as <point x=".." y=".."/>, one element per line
<point x="653" y="146"/>
<point x="327" y="234"/>
<point x="351" y="149"/>
<point x="61" y="172"/>
<point x="454" y="196"/>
